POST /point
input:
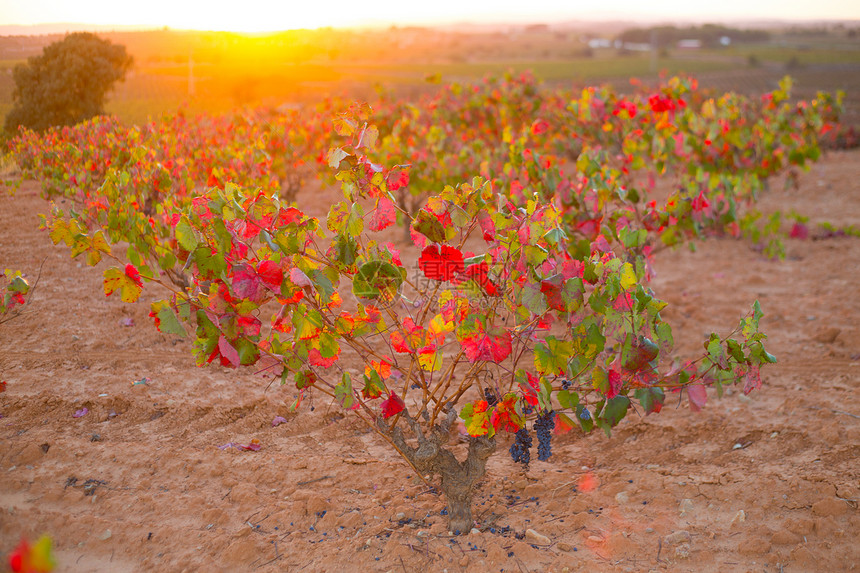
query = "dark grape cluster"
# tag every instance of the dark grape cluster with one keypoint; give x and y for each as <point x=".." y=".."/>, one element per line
<point x="565" y="384"/>
<point x="491" y="397"/>
<point x="520" y="448"/>
<point x="543" y="428"/>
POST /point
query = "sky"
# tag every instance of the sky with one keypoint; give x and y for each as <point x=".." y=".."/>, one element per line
<point x="270" y="15"/>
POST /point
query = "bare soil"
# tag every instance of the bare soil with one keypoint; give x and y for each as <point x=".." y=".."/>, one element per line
<point x="766" y="482"/>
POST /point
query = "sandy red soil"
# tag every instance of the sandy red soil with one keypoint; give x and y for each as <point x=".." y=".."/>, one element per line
<point x="767" y="482"/>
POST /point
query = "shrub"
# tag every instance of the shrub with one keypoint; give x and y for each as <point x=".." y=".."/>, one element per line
<point x="67" y="83"/>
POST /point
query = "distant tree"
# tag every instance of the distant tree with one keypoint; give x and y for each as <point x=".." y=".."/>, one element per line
<point x="67" y="83"/>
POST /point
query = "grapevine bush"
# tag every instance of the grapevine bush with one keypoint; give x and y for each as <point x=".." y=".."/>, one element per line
<point x="523" y="305"/>
<point x="14" y="288"/>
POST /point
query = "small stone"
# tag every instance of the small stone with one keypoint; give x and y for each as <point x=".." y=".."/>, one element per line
<point x="464" y="561"/>
<point x="739" y="518"/>
<point x="682" y="551"/>
<point x="652" y="467"/>
<point x="562" y="546"/>
<point x="686" y="506"/>
<point x="106" y="535"/>
<point x="536" y="538"/>
<point x="649" y="530"/>
<point x="423" y="533"/>
<point x="622" y="497"/>
<point x="369" y="542"/>
<point x="475" y="531"/>
<point x="678" y="537"/>
<point x="399" y="516"/>
<point x="743" y="398"/>
<point x="595" y="539"/>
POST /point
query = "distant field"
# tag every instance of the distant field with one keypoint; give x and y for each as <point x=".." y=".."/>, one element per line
<point x="290" y="69"/>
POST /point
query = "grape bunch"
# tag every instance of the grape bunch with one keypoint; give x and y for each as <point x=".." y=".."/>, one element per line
<point x="520" y="448"/>
<point x="543" y="428"/>
<point x="491" y="397"/>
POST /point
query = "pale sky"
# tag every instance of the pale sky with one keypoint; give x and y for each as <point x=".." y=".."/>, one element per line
<point x="265" y="15"/>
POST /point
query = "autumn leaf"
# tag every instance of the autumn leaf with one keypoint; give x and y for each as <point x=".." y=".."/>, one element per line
<point x="228" y="351"/>
<point x="246" y="283"/>
<point x="373" y="385"/>
<point x="271" y="274"/>
<point x="551" y="355"/>
<point x="491" y="345"/>
<point x="384" y="215"/>
<point x="441" y="263"/>
<point x="429" y="359"/>
<point x="752" y="379"/>
<point x="505" y="416"/>
<point x="316" y="358"/>
<point x="477" y="419"/>
<point x="480" y="274"/>
<point x="36" y="558"/>
<point x="698" y="396"/>
<point x="391" y="406"/>
<point x="383" y="369"/>
<point x="128" y="282"/>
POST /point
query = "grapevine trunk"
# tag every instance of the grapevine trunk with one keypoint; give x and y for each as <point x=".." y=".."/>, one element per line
<point x="458" y="479"/>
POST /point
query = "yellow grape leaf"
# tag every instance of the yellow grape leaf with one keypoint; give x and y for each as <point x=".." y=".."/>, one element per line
<point x="429" y="359"/>
<point x="628" y="276"/>
<point x="438" y="328"/>
<point x="478" y="425"/>
<point x="80" y="244"/>
<point x="115" y="279"/>
<point x="98" y="246"/>
<point x="60" y="232"/>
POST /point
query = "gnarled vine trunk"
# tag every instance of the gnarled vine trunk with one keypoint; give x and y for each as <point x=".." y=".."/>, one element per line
<point x="458" y="478"/>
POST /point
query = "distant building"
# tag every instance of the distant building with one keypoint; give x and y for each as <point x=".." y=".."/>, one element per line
<point x="689" y="44"/>
<point x="636" y="46"/>
<point x="599" y="43"/>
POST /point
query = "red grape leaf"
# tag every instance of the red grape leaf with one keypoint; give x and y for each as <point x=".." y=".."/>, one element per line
<point x="271" y="274"/>
<point x="391" y="406"/>
<point x="228" y="351"/>
<point x="752" y="379"/>
<point x="441" y="263"/>
<point x="315" y="358"/>
<point x="505" y="415"/>
<point x="384" y="215"/>
<point x="417" y="238"/>
<point x="480" y="274"/>
<point x="487" y="226"/>
<point x="698" y="396"/>
<point x="491" y="345"/>
<point x="247" y="283"/>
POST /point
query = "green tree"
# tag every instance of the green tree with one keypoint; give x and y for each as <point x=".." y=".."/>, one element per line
<point x="67" y="83"/>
